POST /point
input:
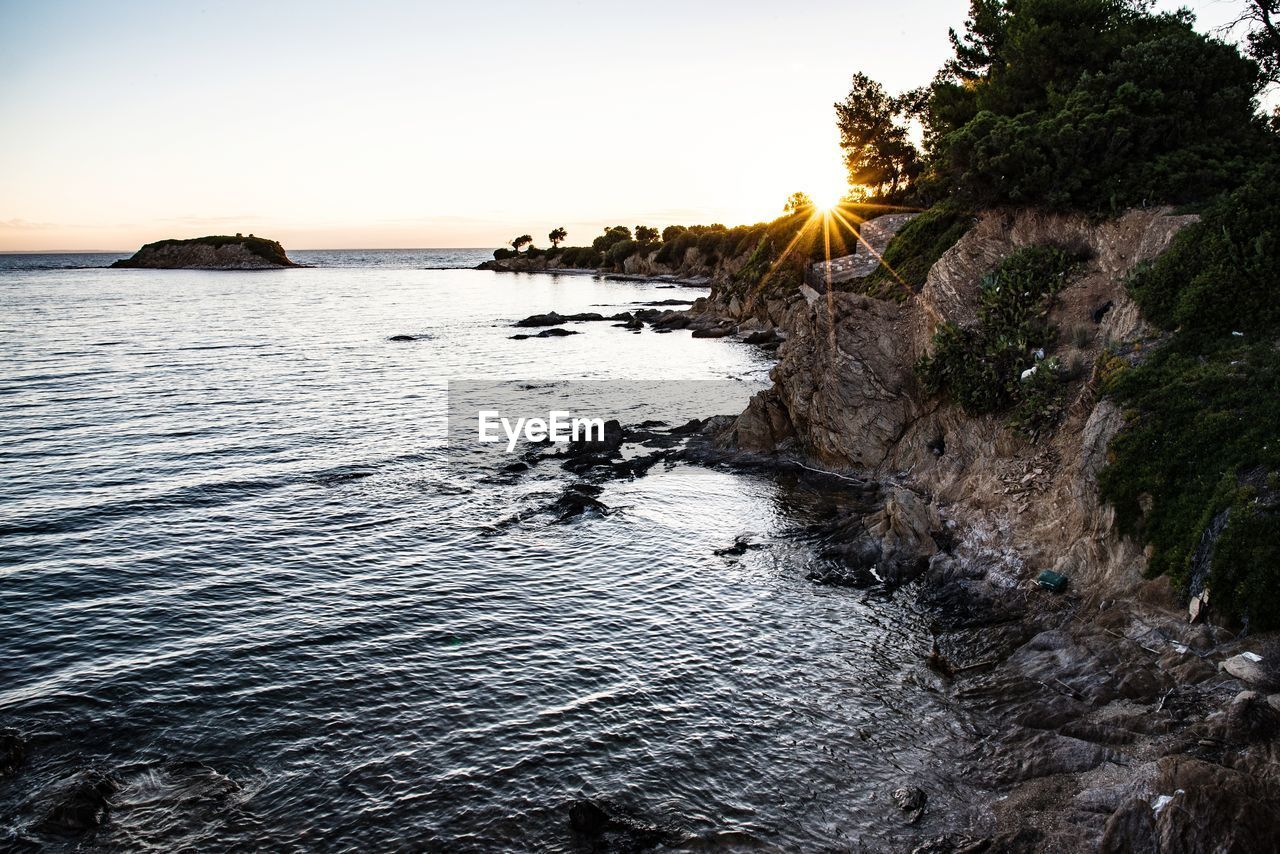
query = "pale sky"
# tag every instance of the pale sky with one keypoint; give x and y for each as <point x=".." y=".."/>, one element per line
<point x="426" y="124"/>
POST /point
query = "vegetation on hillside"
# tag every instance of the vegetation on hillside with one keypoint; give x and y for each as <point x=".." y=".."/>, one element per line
<point x="1202" y="434"/>
<point x="1000" y="364"/>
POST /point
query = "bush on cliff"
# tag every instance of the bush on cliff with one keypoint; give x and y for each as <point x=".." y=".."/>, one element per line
<point x="914" y="250"/>
<point x="981" y="367"/>
<point x="1201" y="413"/>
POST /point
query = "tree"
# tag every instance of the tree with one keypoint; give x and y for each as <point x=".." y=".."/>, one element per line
<point x="797" y="202"/>
<point x="557" y="236"/>
<point x="645" y="234"/>
<point x="671" y="232"/>
<point x="1262" y="18"/>
<point x="873" y="133"/>
<point x="518" y="243"/>
<point x="612" y="235"/>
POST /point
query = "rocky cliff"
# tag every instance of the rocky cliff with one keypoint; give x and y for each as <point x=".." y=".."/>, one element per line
<point x="210" y="253"/>
<point x="845" y="394"/>
<point x="1112" y="721"/>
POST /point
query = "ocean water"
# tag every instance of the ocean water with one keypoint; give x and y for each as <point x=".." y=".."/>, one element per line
<point x="240" y="570"/>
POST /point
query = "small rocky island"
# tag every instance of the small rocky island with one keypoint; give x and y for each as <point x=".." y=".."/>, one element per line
<point x="219" y="252"/>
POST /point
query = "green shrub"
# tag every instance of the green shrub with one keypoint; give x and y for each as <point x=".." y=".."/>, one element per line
<point x="1194" y="420"/>
<point x="1246" y="559"/>
<point x="581" y="256"/>
<point x="1221" y="275"/>
<point x="981" y="367"/>
<point x="621" y="251"/>
<point x="914" y="250"/>
<point x="1200" y="436"/>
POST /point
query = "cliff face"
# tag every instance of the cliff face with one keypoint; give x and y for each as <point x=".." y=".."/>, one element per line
<point x="845" y="395"/>
<point x="210" y="253"/>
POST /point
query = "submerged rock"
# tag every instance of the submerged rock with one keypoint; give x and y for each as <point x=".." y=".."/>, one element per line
<point x="546" y="333"/>
<point x="909" y="798"/>
<point x="551" y="318"/>
<point x="13" y="750"/>
<point x="81" y="803"/>
<point x="615" y="828"/>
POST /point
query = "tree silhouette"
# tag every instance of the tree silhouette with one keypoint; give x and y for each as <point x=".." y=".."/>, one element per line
<point x="519" y="242"/>
<point x="797" y="202"/>
<point x="645" y="234"/>
<point x="556" y="236"/>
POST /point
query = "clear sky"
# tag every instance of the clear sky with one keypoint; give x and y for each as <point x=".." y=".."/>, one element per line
<point x="426" y="124"/>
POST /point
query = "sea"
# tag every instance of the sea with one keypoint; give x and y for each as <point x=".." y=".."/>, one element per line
<point x="243" y="573"/>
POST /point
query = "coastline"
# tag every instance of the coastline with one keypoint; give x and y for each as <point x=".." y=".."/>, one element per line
<point x="1118" y="720"/>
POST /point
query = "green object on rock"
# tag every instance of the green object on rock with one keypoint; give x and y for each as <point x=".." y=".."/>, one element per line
<point x="1050" y="580"/>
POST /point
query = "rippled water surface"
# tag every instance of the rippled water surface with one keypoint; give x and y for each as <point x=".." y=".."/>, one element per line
<point x="239" y="571"/>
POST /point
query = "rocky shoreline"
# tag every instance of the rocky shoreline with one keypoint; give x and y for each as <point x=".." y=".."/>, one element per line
<point x="1120" y="721"/>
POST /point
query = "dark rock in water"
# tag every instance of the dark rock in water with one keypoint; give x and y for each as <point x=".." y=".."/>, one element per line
<point x="694" y="425"/>
<point x="515" y="468"/>
<point x="578" y="499"/>
<point x="760" y="336"/>
<point x="408" y="337"/>
<point x="81" y="803"/>
<point x="661" y="331"/>
<point x="551" y="318"/>
<point x="13" y="750"/>
<point x="615" y="829"/>
<point x="1130" y="830"/>
<point x="954" y="843"/>
<point x="668" y="302"/>
<point x="672" y="320"/>
<point x="740" y="547"/>
<point x="909" y="798"/>
<point x="713" y="332"/>
<point x="612" y="439"/>
<point x="546" y="333"/>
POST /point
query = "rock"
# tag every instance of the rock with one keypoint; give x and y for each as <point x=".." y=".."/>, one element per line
<point x="210" y="253"/>
<point x="1251" y="718"/>
<point x="578" y="499"/>
<point x="1130" y="830"/>
<point x="408" y="337"/>
<point x="716" y="332"/>
<point x="1212" y="808"/>
<point x="13" y="751"/>
<point x="953" y="843"/>
<point x="761" y="336"/>
<point x="909" y="798"/>
<point x="1252" y="670"/>
<point x="546" y="333"/>
<point x="81" y="803"/>
<point x="551" y="318"/>
<point x="616" y="828"/>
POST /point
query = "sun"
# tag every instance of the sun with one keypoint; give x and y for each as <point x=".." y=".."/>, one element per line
<point x="826" y="200"/>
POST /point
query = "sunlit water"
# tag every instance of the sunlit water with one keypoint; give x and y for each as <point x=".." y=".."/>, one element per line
<point x="238" y="570"/>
